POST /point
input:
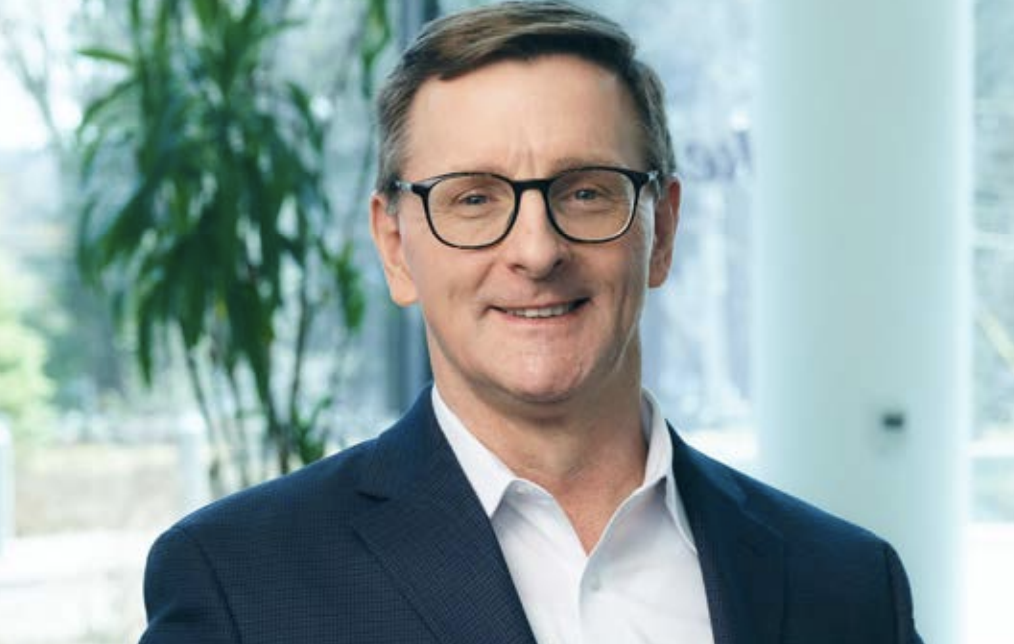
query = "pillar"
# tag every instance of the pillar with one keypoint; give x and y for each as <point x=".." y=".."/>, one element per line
<point x="862" y="277"/>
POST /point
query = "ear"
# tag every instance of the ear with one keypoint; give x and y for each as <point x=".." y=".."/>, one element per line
<point x="667" y="209"/>
<point x="386" y="230"/>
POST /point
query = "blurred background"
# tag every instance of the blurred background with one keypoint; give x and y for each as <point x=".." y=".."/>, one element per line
<point x="190" y="303"/>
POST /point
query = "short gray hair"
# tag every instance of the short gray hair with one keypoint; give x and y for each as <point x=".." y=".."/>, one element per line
<point x="462" y="42"/>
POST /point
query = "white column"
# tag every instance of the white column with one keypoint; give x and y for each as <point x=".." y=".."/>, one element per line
<point x="862" y="285"/>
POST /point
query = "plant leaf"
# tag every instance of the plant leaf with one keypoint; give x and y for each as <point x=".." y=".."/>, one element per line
<point x="101" y="104"/>
<point x="350" y="289"/>
<point x="107" y="55"/>
<point x="376" y="36"/>
<point x="208" y="13"/>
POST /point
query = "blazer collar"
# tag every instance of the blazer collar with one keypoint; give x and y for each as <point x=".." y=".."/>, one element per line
<point x="742" y="558"/>
<point x="430" y="532"/>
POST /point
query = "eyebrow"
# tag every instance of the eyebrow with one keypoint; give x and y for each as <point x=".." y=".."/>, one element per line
<point x="557" y="166"/>
<point x="569" y="163"/>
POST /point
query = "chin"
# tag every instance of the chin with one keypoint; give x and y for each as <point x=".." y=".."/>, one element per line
<point x="547" y="396"/>
<point x="544" y="389"/>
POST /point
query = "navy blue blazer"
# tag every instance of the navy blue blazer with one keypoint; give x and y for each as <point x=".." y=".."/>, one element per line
<point x="386" y="543"/>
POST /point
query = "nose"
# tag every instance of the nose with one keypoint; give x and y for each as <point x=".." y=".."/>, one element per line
<point x="534" y="247"/>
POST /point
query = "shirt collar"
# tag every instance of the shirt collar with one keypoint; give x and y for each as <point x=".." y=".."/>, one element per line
<point x="658" y="468"/>
<point x="490" y="477"/>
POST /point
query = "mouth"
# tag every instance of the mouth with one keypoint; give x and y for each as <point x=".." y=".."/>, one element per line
<point x="544" y="312"/>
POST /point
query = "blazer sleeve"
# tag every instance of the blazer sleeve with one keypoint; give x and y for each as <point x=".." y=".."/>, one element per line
<point x="183" y="597"/>
<point x="902" y="595"/>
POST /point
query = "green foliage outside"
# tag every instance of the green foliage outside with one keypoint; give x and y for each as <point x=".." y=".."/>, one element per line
<point x="25" y="389"/>
<point x="224" y="249"/>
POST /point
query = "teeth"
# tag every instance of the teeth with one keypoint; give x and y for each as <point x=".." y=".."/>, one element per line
<point x="546" y="312"/>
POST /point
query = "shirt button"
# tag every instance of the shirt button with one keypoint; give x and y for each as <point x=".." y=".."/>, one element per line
<point x="595" y="583"/>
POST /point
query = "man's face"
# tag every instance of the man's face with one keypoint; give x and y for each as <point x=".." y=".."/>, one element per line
<point x="535" y="320"/>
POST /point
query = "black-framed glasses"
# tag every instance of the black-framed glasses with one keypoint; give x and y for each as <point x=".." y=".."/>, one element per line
<point x="478" y="209"/>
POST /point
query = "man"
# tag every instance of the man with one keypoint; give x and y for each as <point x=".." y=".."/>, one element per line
<point x="526" y="201"/>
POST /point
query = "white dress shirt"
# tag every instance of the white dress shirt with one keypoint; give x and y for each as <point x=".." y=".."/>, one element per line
<point x="640" y="584"/>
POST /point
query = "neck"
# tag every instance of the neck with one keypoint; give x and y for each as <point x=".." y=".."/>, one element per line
<point x="589" y="473"/>
<point x="590" y="457"/>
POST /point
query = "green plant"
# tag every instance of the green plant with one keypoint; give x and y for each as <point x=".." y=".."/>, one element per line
<point x="25" y="389"/>
<point x="224" y="245"/>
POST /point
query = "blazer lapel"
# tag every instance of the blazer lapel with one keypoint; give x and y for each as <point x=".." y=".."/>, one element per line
<point x="742" y="559"/>
<point x="432" y="535"/>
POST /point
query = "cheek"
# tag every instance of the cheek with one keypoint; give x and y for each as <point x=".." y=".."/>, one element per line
<point x="640" y="239"/>
<point x="423" y="254"/>
<point x="442" y="275"/>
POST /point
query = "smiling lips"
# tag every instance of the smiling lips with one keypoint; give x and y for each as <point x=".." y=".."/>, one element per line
<point x="532" y="313"/>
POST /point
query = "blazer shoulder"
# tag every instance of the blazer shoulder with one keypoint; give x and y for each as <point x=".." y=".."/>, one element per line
<point x="329" y="483"/>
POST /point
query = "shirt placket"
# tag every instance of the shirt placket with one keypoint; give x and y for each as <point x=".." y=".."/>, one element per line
<point x="544" y="514"/>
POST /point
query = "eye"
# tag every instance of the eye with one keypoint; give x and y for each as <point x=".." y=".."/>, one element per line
<point x="586" y="194"/>
<point x="473" y="199"/>
<point x="589" y="193"/>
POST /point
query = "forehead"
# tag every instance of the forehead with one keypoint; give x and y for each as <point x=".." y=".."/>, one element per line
<point x="523" y="116"/>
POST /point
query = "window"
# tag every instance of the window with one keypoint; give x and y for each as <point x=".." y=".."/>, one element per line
<point x="993" y="444"/>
